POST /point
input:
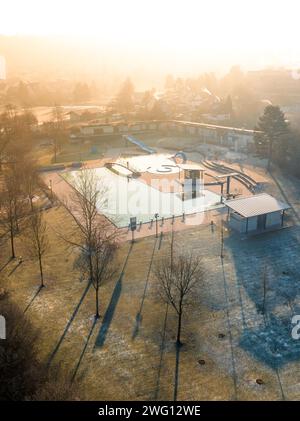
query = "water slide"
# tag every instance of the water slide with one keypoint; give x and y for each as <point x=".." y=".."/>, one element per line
<point x="139" y="143"/>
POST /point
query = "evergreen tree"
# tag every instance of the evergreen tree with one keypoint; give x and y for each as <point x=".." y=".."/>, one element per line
<point x="273" y="139"/>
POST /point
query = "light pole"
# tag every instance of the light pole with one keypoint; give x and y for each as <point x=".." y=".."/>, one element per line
<point x="156" y="224"/>
<point x="132" y="227"/>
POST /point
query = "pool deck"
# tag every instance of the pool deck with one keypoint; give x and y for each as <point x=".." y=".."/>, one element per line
<point x="62" y="190"/>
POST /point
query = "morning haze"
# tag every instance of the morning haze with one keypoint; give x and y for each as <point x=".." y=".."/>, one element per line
<point x="149" y="204"/>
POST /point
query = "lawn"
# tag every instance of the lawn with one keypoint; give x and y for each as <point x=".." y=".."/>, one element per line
<point x="130" y="353"/>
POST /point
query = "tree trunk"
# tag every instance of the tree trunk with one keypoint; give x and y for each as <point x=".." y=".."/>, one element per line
<point x="90" y="267"/>
<point x="270" y="155"/>
<point x="16" y="219"/>
<point x="55" y="151"/>
<point x="31" y="203"/>
<point x="41" y="271"/>
<point x="12" y="240"/>
<point x="178" y="342"/>
<point x="97" y="315"/>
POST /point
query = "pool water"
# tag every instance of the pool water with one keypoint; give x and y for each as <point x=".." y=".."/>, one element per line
<point x="122" y="198"/>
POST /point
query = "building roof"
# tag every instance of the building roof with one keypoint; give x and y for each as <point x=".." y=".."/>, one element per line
<point x="258" y="204"/>
<point x="213" y="126"/>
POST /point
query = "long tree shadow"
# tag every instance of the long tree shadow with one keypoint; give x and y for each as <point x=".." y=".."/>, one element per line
<point x="138" y="317"/>
<point x="176" y="378"/>
<point x="160" y="240"/>
<point x="15" y="268"/>
<point x="33" y="298"/>
<point x="109" y="313"/>
<point x="4" y="234"/>
<point x="54" y="352"/>
<point x="162" y="346"/>
<point x="5" y="264"/>
<point x="84" y="349"/>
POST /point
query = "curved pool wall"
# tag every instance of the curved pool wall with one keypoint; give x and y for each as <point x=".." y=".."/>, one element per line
<point x="164" y="169"/>
<point x="149" y="163"/>
<point x="124" y="198"/>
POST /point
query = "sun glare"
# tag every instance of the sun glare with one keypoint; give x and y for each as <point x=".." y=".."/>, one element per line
<point x="156" y="24"/>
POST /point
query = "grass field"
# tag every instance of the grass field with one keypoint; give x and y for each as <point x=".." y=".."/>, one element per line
<point x="130" y="352"/>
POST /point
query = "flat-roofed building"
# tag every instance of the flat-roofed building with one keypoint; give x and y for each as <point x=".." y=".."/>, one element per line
<point x="257" y="213"/>
<point x="239" y="139"/>
<point x="96" y="129"/>
<point x="191" y="178"/>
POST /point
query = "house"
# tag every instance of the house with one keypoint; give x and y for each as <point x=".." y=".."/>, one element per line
<point x="79" y="115"/>
<point x="216" y="117"/>
<point x="122" y="127"/>
<point x="257" y="213"/>
<point x="96" y="129"/>
<point x="239" y="139"/>
<point x="138" y="126"/>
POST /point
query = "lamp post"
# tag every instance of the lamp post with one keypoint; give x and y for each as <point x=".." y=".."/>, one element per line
<point x="156" y="224"/>
<point x="132" y="227"/>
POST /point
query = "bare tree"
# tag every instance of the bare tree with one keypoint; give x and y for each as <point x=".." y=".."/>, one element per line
<point x="8" y="128"/>
<point x="7" y="218"/>
<point x="15" y="134"/>
<point x="85" y="202"/>
<point x="37" y="240"/>
<point x="102" y="255"/>
<point x="57" y="129"/>
<point x="29" y="179"/>
<point x="12" y="204"/>
<point x="177" y="278"/>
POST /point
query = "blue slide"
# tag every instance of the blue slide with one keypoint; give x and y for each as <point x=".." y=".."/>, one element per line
<point x="139" y="143"/>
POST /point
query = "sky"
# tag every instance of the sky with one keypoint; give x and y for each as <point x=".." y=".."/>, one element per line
<point x="255" y="33"/>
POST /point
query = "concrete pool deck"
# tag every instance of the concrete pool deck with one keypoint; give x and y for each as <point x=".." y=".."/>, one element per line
<point x="124" y="197"/>
<point x="204" y="214"/>
<point x="62" y="190"/>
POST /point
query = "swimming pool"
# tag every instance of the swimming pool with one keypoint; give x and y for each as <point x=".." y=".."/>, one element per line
<point x="154" y="164"/>
<point x="123" y="198"/>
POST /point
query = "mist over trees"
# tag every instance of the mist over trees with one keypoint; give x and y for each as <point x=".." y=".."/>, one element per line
<point x="15" y="132"/>
<point x="124" y="101"/>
